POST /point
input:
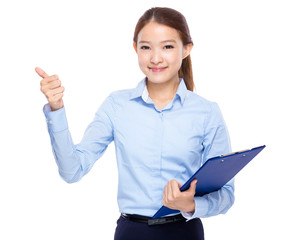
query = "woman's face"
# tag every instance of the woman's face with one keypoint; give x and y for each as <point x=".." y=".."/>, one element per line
<point x="160" y="52"/>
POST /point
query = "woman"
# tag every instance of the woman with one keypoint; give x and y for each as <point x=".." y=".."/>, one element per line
<point x="162" y="132"/>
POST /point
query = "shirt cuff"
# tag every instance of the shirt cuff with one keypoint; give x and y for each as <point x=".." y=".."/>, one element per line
<point x="187" y="215"/>
<point x="56" y="120"/>
<point x="201" y="209"/>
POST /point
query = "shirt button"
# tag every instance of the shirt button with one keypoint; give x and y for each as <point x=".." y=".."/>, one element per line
<point x="50" y="122"/>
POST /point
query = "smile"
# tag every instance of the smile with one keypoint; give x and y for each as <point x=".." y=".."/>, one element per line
<point x="158" y="69"/>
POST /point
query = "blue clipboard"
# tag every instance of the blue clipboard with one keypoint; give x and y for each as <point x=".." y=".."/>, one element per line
<point x="215" y="173"/>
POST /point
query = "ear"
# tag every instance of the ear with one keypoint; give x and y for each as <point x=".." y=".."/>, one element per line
<point x="135" y="47"/>
<point x="187" y="50"/>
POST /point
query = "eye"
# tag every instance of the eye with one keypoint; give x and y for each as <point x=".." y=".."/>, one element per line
<point x="144" y="47"/>
<point x="168" y="47"/>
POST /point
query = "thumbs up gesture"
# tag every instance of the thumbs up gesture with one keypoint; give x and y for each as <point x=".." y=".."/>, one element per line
<point x="52" y="89"/>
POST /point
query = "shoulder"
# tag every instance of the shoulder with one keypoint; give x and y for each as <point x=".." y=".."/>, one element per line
<point x="194" y="99"/>
<point x="119" y="99"/>
<point x="114" y="101"/>
<point x="209" y="109"/>
<point x="122" y="95"/>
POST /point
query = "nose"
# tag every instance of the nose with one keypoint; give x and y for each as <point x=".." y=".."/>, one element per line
<point x="156" y="57"/>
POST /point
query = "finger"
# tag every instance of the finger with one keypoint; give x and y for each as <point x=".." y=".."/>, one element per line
<point x="49" y="86"/>
<point x="175" y="188"/>
<point x="193" y="183"/>
<point x="46" y="88"/>
<point x="40" y="72"/>
<point x="58" y="90"/>
<point x="53" y="92"/>
<point x="169" y="191"/>
<point x="53" y="84"/>
<point x="49" y="79"/>
<point x="193" y="186"/>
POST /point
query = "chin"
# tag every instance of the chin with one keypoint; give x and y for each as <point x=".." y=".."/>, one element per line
<point x="158" y="79"/>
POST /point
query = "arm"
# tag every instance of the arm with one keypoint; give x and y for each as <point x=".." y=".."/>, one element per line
<point x="74" y="161"/>
<point x="216" y="142"/>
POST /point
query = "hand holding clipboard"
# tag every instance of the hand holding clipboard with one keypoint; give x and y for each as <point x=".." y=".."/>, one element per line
<point x="215" y="173"/>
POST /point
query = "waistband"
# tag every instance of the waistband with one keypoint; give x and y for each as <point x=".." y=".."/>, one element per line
<point x="151" y="221"/>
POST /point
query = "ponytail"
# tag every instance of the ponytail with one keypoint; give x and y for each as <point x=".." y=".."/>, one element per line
<point x="186" y="73"/>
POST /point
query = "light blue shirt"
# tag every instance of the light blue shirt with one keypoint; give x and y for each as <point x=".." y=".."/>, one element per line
<point x="152" y="147"/>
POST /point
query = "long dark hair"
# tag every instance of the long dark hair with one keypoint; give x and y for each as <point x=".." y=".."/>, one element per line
<point x="176" y="20"/>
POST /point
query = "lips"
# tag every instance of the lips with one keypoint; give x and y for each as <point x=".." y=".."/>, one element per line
<point x="157" y="69"/>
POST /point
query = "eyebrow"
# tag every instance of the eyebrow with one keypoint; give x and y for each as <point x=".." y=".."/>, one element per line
<point x="170" y="40"/>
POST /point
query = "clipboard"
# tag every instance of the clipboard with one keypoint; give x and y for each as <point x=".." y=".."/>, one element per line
<point x="215" y="173"/>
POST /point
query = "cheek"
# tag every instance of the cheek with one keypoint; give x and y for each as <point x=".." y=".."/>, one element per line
<point x="142" y="59"/>
<point x="175" y="58"/>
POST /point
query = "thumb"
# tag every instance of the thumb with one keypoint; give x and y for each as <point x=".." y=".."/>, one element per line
<point x="40" y="72"/>
<point x="193" y="186"/>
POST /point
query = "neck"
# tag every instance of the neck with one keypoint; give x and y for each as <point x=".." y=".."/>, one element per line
<point x="162" y="91"/>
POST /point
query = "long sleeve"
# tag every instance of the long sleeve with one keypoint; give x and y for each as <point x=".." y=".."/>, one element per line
<point x="216" y="142"/>
<point x="74" y="161"/>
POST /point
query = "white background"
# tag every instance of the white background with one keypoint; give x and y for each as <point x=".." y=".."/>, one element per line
<point x="244" y="58"/>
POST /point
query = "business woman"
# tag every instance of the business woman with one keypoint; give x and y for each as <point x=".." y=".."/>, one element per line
<point x="162" y="131"/>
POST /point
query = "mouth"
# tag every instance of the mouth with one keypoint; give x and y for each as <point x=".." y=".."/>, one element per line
<point x="157" y="69"/>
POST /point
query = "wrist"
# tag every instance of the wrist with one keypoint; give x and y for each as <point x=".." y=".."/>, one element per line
<point x="55" y="109"/>
<point x="56" y="106"/>
<point x="190" y="208"/>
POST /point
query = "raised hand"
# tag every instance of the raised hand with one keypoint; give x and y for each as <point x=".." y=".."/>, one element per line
<point x="51" y="87"/>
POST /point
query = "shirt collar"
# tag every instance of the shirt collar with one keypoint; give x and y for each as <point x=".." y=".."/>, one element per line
<point x="141" y="91"/>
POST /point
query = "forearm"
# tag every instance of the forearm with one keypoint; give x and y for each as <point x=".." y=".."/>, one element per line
<point x="66" y="156"/>
<point x="74" y="161"/>
<point x="218" y="202"/>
